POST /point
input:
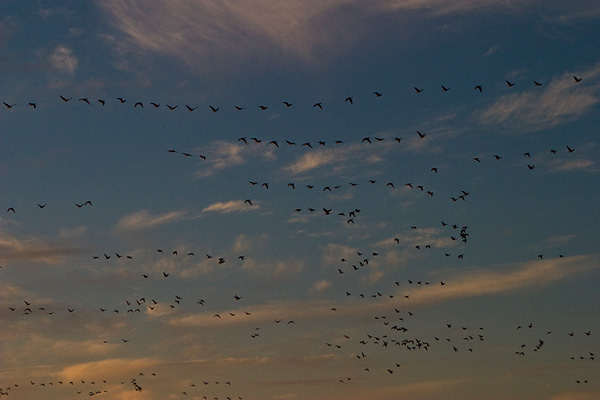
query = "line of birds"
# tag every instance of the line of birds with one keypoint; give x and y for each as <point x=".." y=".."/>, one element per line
<point x="287" y="104"/>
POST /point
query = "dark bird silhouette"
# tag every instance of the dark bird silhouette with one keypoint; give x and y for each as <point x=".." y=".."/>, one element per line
<point x="349" y="100"/>
<point x="190" y="108"/>
<point x="478" y="87"/>
<point x="172" y="107"/>
<point x="139" y="103"/>
<point x="101" y="101"/>
<point x="263" y="108"/>
<point x="421" y="135"/>
<point x="417" y="90"/>
<point x="536" y="83"/>
<point x="165" y="274"/>
<point x="122" y="100"/>
<point x="444" y="88"/>
<point x="570" y="150"/>
<point x="377" y="94"/>
<point x="214" y="109"/>
<point x="509" y="84"/>
<point x="85" y="100"/>
<point x="9" y="105"/>
<point x="239" y="108"/>
<point x="287" y="104"/>
<point x="532" y="166"/>
<point x="65" y="99"/>
<point x="155" y="105"/>
<point x="42" y="205"/>
<point x="577" y="79"/>
<point x="32" y="105"/>
<point x="318" y="105"/>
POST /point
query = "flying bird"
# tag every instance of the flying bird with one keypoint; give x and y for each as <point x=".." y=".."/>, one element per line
<point x="349" y="100"/>
<point x="65" y="99"/>
<point x="213" y="108"/>
<point x="318" y="105"/>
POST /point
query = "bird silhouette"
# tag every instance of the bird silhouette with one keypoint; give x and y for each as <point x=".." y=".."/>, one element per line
<point x="214" y="109"/>
<point x="318" y="105"/>
<point x="577" y="79"/>
<point x="65" y="99"/>
<point x="349" y="100"/>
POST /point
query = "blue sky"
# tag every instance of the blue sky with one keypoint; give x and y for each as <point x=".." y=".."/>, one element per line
<point x="424" y="239"/>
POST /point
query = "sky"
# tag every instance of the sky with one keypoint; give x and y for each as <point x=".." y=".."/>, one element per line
<point x="275" y="200"/>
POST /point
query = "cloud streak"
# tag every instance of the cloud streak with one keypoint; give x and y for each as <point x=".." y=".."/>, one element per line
<point x="561" y="100"/>
<point x="142" y="220"/>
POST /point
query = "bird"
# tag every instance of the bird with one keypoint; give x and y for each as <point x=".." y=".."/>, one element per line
<point x="239" y="108"/>
<point x="172" y="107"/>
<point x="417" y="90"/>
<point x="377" y="94"/>
<point x="42" y="205"/>
<point x="577" y="79"/>
<point x="155" y="105"/>
<point x="190" y="108"/>
<point x="65" y="99"/>
<point x="570" y="150"/>
<point x="536" y="83"/>
<point x="421" y="135"/>
<point x="318" y="105"/>
<point x="101" y="101"/>
<point x="263" y="108"/>
<point x="444" y="88"/>
<point x="213" y="108"/>
<point x="32" y="105"/>
<point x="478" y="87"/>
<point x="349" y="100"/>
<point x="287" y="104"/>
<point x="139" y="103"/>
<point x="509" y="84"/>
<point x="85" y="100"/>
<point x="9" y="105"/>
<point x="122" y="100"/>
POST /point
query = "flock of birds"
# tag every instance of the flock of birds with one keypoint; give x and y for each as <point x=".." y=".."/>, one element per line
<point x="393" y="329"/>
<point x="191" y="108"/>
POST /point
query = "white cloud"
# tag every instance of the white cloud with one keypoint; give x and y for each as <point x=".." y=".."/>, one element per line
<point x="557" y="101"/>
<point x="144" y="220"/>
<point x="230" y="207"/>
<point x="63" y="59"/>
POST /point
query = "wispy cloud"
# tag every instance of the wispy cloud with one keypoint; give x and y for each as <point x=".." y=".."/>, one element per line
<point x="339" y="158"/>
<point x="232" y="206"/>
<point x="479" y="282"/>
<point x="557" y="101"/>
<point x="64" y="59"/>
<point x="225" y="154"/>
<point x="571" y="165"/>
<point x="35" y="249"/>
<point x="141" y="220"/>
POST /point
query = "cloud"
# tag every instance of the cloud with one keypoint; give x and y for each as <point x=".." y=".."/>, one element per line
<point x="557" y="101"/>
<point x="141" y="220"/>
<point x="321" y="285"/>
<point x="480" y="282"/>
<point x="572" y="165"/>
<point x="230" y="207"/>
<point x="112" y="368"/>
<point x="199" y="31"/>
<point x="35" y="249"/>
<point x="224" y="155"/>
<point x="63" y="59"/>
<point x="340" y="157"/>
